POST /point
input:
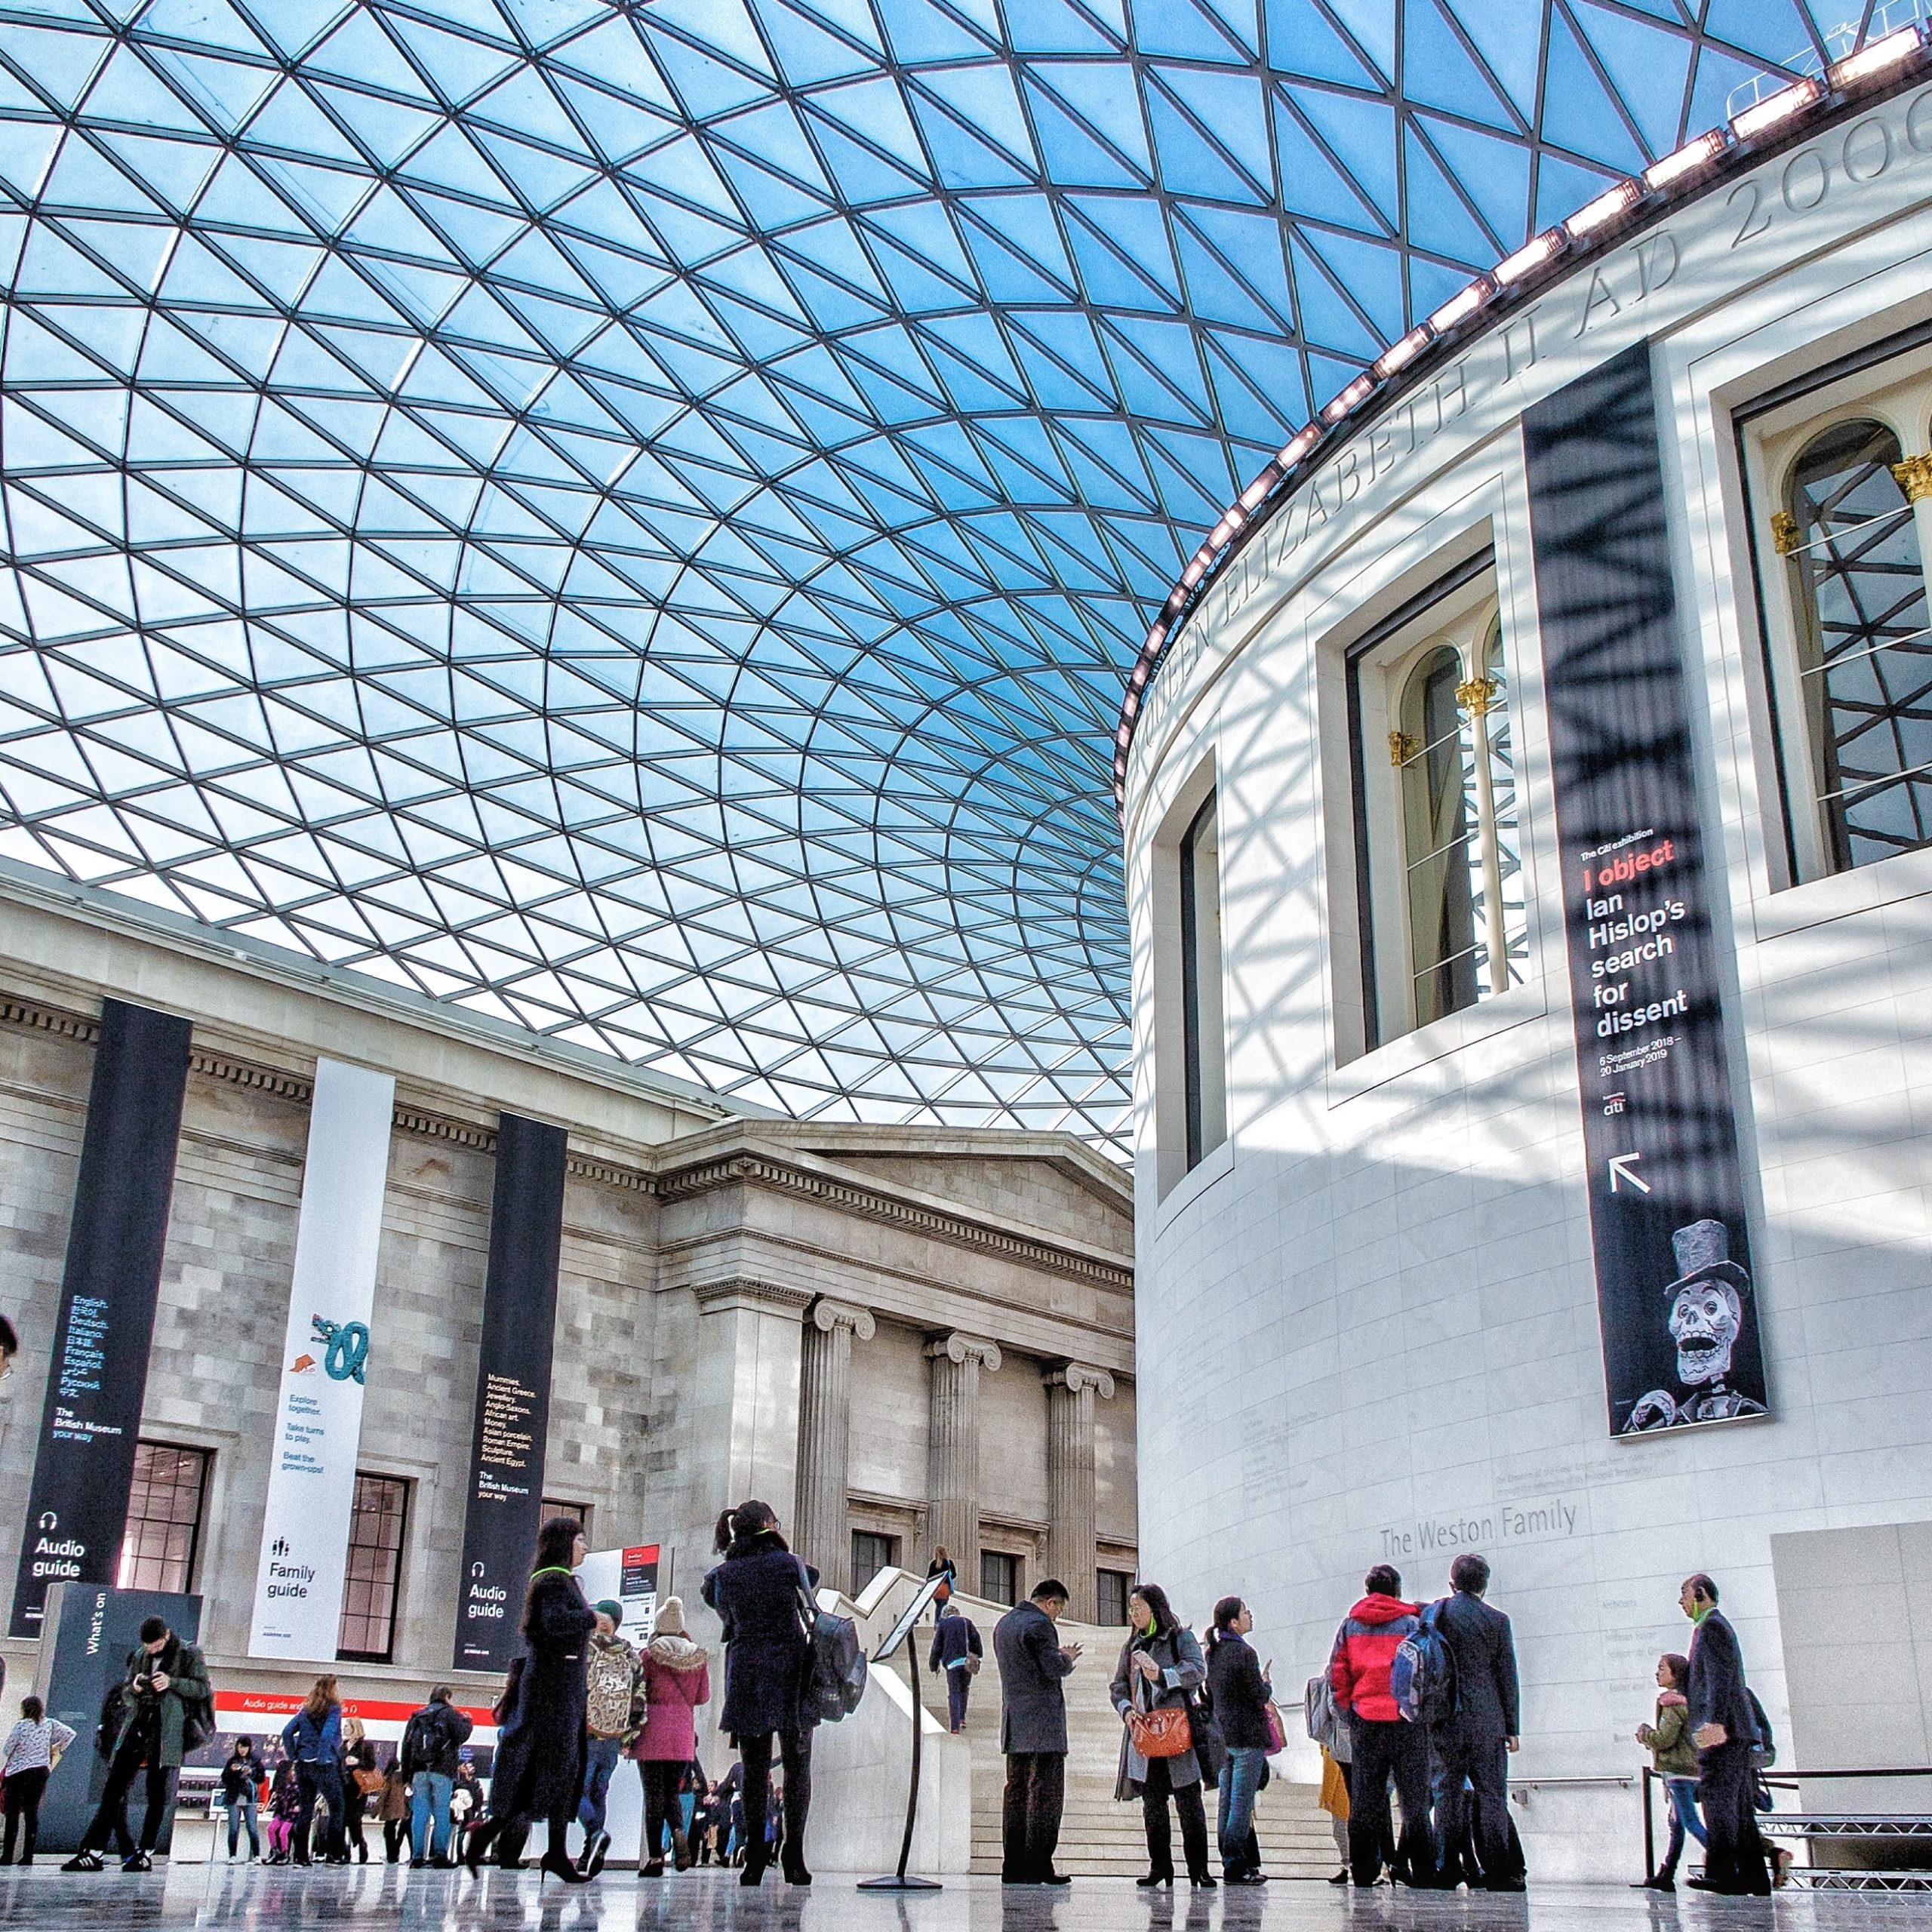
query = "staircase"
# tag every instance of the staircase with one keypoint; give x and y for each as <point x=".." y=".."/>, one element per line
<point x="1098" y="1837"/>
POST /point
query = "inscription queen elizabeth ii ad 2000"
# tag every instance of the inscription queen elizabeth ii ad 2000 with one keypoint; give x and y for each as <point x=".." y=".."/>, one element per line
<point x="1667" y="1215"/>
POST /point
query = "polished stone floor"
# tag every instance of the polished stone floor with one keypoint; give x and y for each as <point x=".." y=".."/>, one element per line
<point x="381" y="1898"/>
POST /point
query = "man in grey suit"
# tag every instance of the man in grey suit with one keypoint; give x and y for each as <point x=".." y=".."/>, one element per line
<point x="1472" y="1748"/>
<point x="1033" y="1733"/>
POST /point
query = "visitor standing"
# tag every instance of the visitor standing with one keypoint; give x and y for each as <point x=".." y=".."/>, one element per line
<point x="761" y="1592"/>
<point x="1328" y="1730"/>
<point x="1160" y="1667"/>
<point x="1033" y="1662"/>
<point x="956" y="1650"/>
<point x="312" y="1738"/>
<point x="539" y="1769"/>
<point x="33" y="1748"/>
<point x="1471" y="1748"/>
<point x="677" y="1679"/>
<point x="465" y="1804"/>
<point x="943" y="1567"/>
<point x="1675" y="1759"/>
<point x="1381" y="1744"/>
<point x="1238" y="1686"/>
<point x="392" y="1811"/>
<point x="166" y="1685"/>
<point x="1724" y="1728"/>
<point x="361" y="1779"/>
<point x="241" y="1789"/>
<point x="432" y="1742"/>
<point x="285" y="1799"/>
<point x="614" y="1716"/>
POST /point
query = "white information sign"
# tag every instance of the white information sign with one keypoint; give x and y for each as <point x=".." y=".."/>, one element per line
<point x="297" y="1611"/>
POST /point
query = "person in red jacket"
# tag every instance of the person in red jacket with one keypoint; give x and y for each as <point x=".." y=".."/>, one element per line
<point x="1384" y="1743"/>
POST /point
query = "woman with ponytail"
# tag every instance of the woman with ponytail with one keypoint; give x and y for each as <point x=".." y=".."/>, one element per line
<point x="1237" y="1683"/>
<point x="539" y="1770"/>
<point x="764" y="1594"/>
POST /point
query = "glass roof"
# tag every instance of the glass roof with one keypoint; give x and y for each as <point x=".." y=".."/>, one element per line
<point x="630" y="519"/>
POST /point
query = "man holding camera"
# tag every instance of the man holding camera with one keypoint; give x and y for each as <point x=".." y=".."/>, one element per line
<point x="167" y="1686"/>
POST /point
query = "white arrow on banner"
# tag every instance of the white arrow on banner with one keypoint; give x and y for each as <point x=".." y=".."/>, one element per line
<point x="1621" y="1169"/>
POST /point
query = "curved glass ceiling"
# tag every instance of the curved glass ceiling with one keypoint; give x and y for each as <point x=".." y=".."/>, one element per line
<point x="630" y="518"/>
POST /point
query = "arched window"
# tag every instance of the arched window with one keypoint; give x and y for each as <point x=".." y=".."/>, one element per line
<point x="1865" y="661"/>
<point x="1439" y="821"/>
<point x="1441" y="909"/>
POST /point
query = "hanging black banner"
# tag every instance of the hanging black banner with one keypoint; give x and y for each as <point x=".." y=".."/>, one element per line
<point x="512" y="1390"/>
<point x="1675" y="1294"/>
<point x="77" y="1508"/>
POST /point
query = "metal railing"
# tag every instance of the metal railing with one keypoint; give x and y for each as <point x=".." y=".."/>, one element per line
<point x="1781" y="1780"/>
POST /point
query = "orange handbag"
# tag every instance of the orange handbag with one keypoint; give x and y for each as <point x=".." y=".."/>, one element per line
<point x="1162" y="1733"/>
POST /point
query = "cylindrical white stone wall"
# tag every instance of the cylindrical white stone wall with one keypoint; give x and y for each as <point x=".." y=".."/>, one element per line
<point x="1367" y="1327"/>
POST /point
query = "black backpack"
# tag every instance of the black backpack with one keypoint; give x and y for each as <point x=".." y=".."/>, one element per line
<point x="834" y="1676"/>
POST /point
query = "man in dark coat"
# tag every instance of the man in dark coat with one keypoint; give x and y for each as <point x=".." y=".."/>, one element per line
<point x="1472" y="1749"/>
<point x="1033" y="1733"/>
<point x="1723" y="1727"/>
<point x="165" y="1680"/>
<point x="955" y="1645"/>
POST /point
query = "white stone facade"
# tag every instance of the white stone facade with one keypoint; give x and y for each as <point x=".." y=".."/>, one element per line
<point x="697" y="1244"/>
<point x="1368" y="1321"/>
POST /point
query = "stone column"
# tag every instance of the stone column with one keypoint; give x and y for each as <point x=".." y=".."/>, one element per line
<point x="1072" y="1553"/>
<point x="821" y="1534"/>
<point x="953" y="1450"/>
<point x="739" y="1405"/>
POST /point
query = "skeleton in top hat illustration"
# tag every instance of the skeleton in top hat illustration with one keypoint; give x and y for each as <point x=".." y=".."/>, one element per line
<point x="1706" y="1311"/>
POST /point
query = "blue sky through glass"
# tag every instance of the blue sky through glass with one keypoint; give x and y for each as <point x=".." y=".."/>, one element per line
<point x="631" y="519"/>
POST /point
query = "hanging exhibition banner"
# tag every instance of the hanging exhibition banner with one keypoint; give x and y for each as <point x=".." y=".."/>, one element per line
<point x="1675" y="1293"/>
<point x="505" y="1498"/>
<point x="77" y="1506"/>
<point x="298" y="1609"/>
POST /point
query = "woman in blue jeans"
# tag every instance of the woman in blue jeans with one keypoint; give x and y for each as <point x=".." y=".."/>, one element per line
<point x="312" y="1738"/>
<point x="1238" y="1686"/>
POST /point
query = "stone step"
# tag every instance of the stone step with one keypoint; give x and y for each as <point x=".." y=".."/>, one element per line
<point x="1099" y="1836"/>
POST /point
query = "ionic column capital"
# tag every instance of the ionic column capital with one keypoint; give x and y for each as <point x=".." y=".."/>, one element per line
<point x="1076" y="1376"/>
<point x="960" y="1349"/>
<point x="828" y="1314"/>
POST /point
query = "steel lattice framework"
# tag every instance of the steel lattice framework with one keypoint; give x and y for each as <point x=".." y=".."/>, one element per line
<point x="630" y="518"/>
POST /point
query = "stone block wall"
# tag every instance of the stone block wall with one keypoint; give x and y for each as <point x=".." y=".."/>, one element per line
<point x="688" y="1263"/>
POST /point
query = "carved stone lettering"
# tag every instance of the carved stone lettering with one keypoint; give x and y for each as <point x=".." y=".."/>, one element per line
<point x="1867" y="150"/>
<point x="1600" y="302"/>
<point x="1807" y="180"/>
<point x="1657" y="263"/>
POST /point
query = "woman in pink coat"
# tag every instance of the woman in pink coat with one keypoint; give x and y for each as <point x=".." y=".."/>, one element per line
<point x="677" y="1679"/>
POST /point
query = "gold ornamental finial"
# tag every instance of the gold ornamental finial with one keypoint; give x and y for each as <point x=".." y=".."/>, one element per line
<point x="1784" y="532"/>
<point x="1403" y="745"/>
<point x="1476" y="696"/>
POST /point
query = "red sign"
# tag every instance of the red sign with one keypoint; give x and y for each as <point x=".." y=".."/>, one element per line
<point x="370" y="1710"/>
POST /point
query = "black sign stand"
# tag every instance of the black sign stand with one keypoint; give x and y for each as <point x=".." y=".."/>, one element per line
<point x="901" y="1633"/>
